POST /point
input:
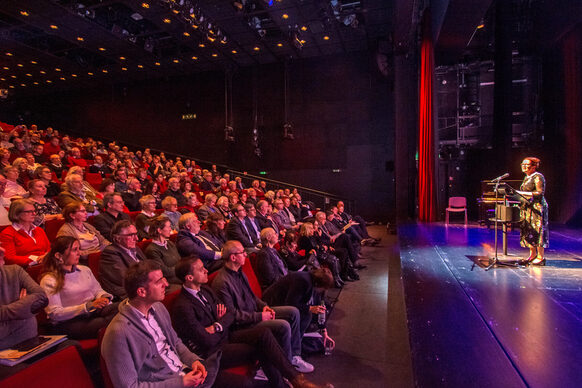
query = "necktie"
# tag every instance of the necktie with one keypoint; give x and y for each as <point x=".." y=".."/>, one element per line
<point x="207" y="243"/>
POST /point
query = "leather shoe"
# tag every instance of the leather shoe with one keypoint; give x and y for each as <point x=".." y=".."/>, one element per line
<point x="301" y="382"/>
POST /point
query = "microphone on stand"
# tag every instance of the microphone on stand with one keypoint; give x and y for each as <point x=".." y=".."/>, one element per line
<point x="500" y="177"/>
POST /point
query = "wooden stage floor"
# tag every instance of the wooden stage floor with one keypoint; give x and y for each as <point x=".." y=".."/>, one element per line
<point x="507" y="327"/>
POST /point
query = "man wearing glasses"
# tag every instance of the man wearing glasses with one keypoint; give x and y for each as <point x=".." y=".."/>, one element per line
<point x="117" y="257"/>
<point x="232" y="287"/>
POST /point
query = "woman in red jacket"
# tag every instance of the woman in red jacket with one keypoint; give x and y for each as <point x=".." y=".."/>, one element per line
<point x="25" y="244"/>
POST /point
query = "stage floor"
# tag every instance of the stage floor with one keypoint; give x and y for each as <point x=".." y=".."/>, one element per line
<point x="506" y="327"/>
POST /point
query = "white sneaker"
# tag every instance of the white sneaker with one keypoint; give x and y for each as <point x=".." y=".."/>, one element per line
<point x="260" y="375"/>
<point x="301" y="365"/>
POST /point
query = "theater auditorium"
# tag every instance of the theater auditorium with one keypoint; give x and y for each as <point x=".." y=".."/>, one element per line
<point x="290" y="193"/>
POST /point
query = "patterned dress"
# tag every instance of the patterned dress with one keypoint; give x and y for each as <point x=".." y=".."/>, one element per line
<point x="534" y="213"/>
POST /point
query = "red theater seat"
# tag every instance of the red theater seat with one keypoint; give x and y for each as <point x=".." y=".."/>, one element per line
<point x="63" y="369"/>
<point x="51" y="227"/>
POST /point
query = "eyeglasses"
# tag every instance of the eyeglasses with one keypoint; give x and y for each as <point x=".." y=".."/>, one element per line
<point x="240" y="253"/>
<point x="128" y="235"/>
<point x="81" y="211"/>
<point x="525" y="164"/>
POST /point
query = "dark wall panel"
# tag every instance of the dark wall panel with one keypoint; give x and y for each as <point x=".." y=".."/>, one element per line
<point x="340" y="107"/>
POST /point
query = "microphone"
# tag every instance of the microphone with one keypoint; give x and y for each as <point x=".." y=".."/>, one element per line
<point x="500" y="177"/>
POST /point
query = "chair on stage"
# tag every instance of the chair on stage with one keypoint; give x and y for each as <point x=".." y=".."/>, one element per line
<point x="456" y="204"/>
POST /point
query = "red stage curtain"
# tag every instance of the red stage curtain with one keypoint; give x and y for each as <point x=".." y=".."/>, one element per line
<point x="426" y="144"/>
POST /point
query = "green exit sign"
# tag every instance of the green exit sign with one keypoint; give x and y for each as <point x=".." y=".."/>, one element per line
<point x="189" y="116"/>
<point x="262" y="173"/>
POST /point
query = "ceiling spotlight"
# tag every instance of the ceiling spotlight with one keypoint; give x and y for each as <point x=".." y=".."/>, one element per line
<point x="303" y="28"/>
<point x="34" y="62"/>
<point x="214" y="55"/>
<point x="20" y="65"/>
<point x="195" y="58"/>
<point x="54" y="26"/>
<point x="326" y="37"/>
<point x="42" y="72"/>
<point x="74" y="75"/>
<point x="122" y="58"/>
<point x="157" y="63"/>
<point x="223" y="40"/>
<point x="176" y="61"/>
<point x="186" y="34"/>
<point x="57" y="69"/>
<point x="28" y="75"/>
<point x="48" y="81"/>
<point x="285" y="16"/>
<point x="256" y="48"/>
<point x="24" y="13"/>
<point x="80" y="38"/>
<point x="90" y="73"/>
<point x="140" y="66"/>
<point x="234" y="51"/>
<point x="105" y="71"/>
<point x="9" y="54"/>
<point x="145" y="5"/>
<point x="201" y="45"/>
<point x="102" y="49"/>
<point x="279" y="44"/>
<point x="124" y="68"/>
<point x="167" y="21"/>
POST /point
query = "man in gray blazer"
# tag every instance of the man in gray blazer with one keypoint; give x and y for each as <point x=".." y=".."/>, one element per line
<point x="117" y="257"/>
<point x="21" y="298"/>
<point x="140" y="347"/>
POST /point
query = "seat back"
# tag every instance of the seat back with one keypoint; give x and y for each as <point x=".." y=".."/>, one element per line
<point x="51" y="228"/>
<point x="170" y="298"/>
<point x="93" y="260"/>
<point x="457" y="202"/>
<point x="253" y="281"/>
<point x="71" y="373"/>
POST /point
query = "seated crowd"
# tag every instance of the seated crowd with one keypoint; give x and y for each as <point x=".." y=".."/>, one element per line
<point x="108" y="233"/>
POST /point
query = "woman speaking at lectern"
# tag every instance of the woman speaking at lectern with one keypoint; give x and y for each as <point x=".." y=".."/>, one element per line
<point x="534" y="212"/>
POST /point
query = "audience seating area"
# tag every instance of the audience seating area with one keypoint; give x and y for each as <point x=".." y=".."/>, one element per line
<point x="107" y="160"/>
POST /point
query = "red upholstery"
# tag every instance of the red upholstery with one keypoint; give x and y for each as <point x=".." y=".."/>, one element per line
<point x="35" y="272"/>
<point x="94" y="263"/>
<point x="170" y="298"/>
<point x="253" y="281"/>
<point x="94" y="179"/>
<point x="63" y="369"/>
<point x="51" y="227"/>
<point x="144" y="244"/>
<point x="133" y="215"/>
<point x="104" y="373"/>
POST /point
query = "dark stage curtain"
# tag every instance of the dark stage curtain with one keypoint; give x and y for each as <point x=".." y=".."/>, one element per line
<point x="572" y="57"/>
<point x="426" y="144"/>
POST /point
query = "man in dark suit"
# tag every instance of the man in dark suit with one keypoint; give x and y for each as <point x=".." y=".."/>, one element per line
<point x="132" y="196"/>
<point x="264" y="218"/>
<point x="238" y="230"/>
<point x="252" y="223"/>
<point x="191" y="241"/>
<point x="270" y="266"/>
<point x="207" y="184"/>
<point x="117" y="257"/>
<point x="204" y="324"/>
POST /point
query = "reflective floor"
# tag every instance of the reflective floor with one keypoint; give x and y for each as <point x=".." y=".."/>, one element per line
<point x="506" y="327"/>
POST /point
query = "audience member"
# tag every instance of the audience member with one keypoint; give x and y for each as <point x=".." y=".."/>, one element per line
<point x="162" y="250"/>
<point x="214" y="227"/>
<point x="238" y="230"/>
<point x="24" y="243"/>
<point x="192" y="241"/>
<point x="175" y="191"/>
<point x="46" y="208"/>
<point x="232" y="287"/>
<point x="74" y="192"/>
<point x="112" y="213"/>
<point x="78" y="306"/>
<point x="133" y="194"/>
<point x="223" y="208"/>
<point x="148" y="212"/>
<point x="21" y="299"/>
<point x="13" y="188"/>
<point x="204" y="324"/>
<point x="208" y="208"/>
<point x="140" y="347"/>
<point x="76" y="225"/>
<point x="117" y="257"/>
<point x="270" y="267"/>
<point x="45" y="174"/>
<point x="170" y="206"/>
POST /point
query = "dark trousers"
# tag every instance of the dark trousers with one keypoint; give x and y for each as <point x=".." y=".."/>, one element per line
<point x="87" y="326"/>
<point x="258" y="342"/>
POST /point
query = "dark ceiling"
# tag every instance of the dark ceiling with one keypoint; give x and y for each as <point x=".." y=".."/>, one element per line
<point x="60" y="44"/>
